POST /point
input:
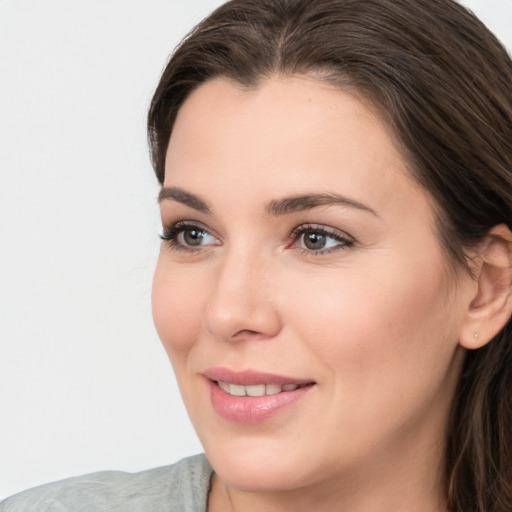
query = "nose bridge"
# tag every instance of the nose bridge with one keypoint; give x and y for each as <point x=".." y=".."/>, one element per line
<point x="240" y="302"/>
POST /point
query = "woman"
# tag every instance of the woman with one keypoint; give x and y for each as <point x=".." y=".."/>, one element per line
<point x="334" y="284"/>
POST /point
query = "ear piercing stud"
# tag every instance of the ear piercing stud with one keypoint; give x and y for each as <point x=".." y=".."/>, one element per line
<point x="476" y="336"/>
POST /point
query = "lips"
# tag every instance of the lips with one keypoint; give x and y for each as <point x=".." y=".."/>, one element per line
<point x="251" y="397"/>
<point x="251" y="377"/>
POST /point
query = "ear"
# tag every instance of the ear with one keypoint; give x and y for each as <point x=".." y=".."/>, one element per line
<point x="491" y="306"/>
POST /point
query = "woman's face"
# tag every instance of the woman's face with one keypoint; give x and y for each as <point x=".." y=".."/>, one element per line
<point x="301" y="253"/>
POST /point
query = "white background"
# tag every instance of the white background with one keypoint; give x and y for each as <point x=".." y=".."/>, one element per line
<point x="84" y="382"/>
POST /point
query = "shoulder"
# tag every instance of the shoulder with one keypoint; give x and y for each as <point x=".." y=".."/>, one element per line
<point x="181" y="487"/>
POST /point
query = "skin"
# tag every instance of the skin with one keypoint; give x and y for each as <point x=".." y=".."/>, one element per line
<point x="375" y="323"/>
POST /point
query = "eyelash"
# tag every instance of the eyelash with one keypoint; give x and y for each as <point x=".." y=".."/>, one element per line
<point x="344" y="241"/>
<point x="171" y="234"/>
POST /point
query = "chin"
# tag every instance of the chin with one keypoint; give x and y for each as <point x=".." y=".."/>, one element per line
<point x="259" y="466"/>
<point x="251" y="474"/>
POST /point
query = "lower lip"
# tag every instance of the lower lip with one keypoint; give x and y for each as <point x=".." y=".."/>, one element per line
<point x="252" y="410"/>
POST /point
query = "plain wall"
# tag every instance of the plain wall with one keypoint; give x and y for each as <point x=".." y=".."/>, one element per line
<point x="84" y="382"/>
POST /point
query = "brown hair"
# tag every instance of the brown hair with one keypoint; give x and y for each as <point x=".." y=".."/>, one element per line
<point x="443" y="82"/>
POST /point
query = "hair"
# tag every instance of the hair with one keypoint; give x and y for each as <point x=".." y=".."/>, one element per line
<point x="443" y="82"/>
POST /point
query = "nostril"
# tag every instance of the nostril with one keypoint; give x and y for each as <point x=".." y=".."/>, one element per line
<point x="246" y="332"/>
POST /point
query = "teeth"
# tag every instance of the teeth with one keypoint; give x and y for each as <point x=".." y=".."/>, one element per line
<point x="236" y="390"/>
<point x="273" y="389"/>
<point x="257" y="390"/>
<point x="224" y="386"/>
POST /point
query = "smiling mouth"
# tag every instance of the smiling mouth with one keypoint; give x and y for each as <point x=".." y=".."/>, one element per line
<point x="250" y="397"/>
<point x="258" y="389"/>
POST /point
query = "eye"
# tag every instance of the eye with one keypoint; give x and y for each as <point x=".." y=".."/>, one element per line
<point x="187" y="236"/>
<point x="193" y="237"/>
<point x="320" y="239"/>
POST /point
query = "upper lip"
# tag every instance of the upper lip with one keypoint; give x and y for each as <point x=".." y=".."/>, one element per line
<point x="251" y="377"/>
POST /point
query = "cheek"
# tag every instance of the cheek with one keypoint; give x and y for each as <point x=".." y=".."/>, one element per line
<point x="378" y="326"/>
<point x="385" y="352"/>
<point x="176" y="305"/>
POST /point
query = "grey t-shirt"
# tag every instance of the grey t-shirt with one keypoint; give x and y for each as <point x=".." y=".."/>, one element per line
<point x="182" y="487"/>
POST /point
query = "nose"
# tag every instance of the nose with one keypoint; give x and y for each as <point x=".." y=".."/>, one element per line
<point x="241" y="304"/>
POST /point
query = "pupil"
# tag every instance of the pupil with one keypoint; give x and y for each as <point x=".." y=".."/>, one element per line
<point x="314" y="241"/>
<point x="193" y="236"/>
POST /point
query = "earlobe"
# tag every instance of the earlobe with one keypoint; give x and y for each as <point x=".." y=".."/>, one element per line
<point x="491" y="306"/>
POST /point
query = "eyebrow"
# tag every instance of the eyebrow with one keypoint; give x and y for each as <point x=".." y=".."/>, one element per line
<point x="310" y="201"/>
<point x="276" y="207"/>
<point x="184" y="197"/>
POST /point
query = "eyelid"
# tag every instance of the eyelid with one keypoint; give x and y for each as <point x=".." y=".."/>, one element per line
<point x="344" y="240"/>
<point x="171" y="232"/>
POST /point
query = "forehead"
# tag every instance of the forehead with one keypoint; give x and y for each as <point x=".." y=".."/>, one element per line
<point x="303" y="106"/>
<point x="287" y="134"/>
